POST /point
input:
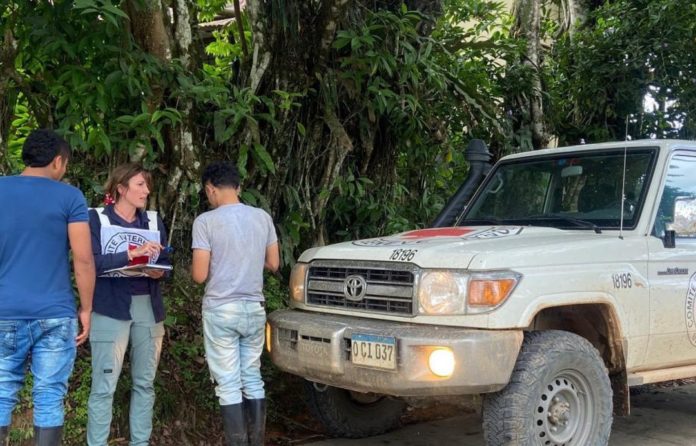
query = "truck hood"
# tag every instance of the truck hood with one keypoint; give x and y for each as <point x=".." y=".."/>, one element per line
<point x="478" y="247"/>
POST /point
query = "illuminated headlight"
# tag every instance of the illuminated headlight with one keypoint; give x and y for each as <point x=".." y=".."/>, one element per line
<point x="297" y="281"/>
<point x="443" y="292"/>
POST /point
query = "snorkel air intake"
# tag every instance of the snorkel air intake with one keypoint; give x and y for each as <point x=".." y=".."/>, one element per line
<point x="478" y="156"/>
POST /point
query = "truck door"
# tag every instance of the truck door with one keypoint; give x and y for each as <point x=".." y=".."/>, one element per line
<point x="672" y="274"/>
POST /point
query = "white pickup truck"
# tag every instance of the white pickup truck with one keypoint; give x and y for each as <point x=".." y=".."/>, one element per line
<point x="568" y="277"/>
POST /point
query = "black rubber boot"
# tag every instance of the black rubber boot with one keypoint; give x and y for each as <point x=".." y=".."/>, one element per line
<point x="4" y="435"/>
<point x="234" y="424"/>
<point x="256" y="417"/>
<point x="48" y="436"/>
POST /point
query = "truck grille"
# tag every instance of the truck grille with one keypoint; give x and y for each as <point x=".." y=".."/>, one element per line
<point x="389" y="287"/>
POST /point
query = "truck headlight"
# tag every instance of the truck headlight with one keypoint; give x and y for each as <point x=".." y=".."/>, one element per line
<point x="488" y="290"/>
<point x="297" y="281"/>
<point x="442" y="292"/>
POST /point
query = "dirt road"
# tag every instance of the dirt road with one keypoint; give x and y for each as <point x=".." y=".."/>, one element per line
<point x="660" y="417"/>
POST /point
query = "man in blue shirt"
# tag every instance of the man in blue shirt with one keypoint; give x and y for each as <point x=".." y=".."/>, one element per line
<point x="42" y="220"/>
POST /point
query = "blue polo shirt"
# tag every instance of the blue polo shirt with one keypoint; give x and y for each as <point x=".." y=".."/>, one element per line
<point x="34" y="247"/>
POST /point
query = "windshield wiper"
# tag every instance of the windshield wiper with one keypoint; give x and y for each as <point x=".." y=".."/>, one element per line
<point x="576" y="221"/>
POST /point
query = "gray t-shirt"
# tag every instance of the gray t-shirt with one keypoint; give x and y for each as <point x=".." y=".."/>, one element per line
<point x="237" y="236"/>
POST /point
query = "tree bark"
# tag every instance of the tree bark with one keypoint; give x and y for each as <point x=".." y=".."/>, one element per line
<point x="240" y="28"/>
<point x="292" y="50"/>
<point x="530" y="106"/>
<point x="572" y="15"/>
<point x="261" y="50"/>
<point x="149" y="28"/>
<point x="165" y="39"/>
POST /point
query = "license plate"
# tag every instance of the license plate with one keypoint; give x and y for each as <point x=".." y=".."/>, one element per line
<point x="373" y="351"/>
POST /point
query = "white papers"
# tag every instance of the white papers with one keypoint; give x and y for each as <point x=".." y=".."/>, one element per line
<point x="139" y="270"/>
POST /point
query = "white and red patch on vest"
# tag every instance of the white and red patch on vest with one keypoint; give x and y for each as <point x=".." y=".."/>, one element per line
<point x="435" y="232"/>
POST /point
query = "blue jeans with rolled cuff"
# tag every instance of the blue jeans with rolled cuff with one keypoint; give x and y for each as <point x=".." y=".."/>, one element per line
<point x="233" y="339"/>
<point x="51" y="343"/>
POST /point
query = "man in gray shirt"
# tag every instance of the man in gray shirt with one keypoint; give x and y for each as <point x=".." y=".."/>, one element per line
<point x="232" y="244"/>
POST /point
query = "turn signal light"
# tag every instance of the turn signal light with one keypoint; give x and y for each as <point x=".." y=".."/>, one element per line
<point x="489" y="292"/>
<point x="268" y="337"/>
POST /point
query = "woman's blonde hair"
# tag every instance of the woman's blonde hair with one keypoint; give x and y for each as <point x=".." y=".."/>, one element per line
<point x="121" y="175"/>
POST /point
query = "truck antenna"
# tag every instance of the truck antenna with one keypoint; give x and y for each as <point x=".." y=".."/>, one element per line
<point x="623" y="181"/>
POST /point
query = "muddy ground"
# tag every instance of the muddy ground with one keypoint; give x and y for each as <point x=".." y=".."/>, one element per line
<point x="662" y="415"/>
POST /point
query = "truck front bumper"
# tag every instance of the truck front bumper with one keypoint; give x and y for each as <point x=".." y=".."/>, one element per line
<point x="316" y="346"/>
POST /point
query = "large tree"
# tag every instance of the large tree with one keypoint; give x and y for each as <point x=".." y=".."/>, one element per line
<point x="346" y="117"/>
<point x="304" y="95"/>
<point x="627" y="73"/>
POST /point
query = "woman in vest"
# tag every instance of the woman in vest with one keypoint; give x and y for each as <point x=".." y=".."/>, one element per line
<point x="128" y="305"/>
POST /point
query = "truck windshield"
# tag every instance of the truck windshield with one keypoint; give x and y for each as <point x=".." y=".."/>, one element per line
<point x="569" y="191"/>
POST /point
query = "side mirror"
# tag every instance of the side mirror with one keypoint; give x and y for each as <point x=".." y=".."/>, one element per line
<point x="684" y="222"/>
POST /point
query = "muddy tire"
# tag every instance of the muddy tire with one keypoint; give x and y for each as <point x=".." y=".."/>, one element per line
<point x="558" y="395"/>
<point x="353" y="415"/>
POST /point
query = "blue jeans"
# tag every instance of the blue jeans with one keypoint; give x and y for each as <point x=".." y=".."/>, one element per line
<point x="51" y="343"/>
<point x="234" y="335"/>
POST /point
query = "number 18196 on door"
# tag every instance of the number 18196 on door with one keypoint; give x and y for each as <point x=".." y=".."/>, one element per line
<point x="373" y="351"/>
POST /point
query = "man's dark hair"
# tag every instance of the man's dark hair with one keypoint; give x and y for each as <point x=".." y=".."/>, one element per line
<point x="42" y="146"/>
<point x="221" y="174"/>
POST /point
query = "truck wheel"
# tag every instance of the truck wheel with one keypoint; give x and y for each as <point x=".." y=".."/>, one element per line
<point x="352" y="414"/>
<point x="558" y="395"/>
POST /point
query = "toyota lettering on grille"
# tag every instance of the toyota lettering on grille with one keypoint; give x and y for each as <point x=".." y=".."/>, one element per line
<point x="354" y="288"/>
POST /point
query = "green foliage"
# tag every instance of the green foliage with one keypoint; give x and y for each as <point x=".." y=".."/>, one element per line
<point x="392" y="82"/>
<point x="94" y="81"/>
<point x="600" y="77"/>
<point x="208" y="9"/>
<point x="240" y="113"/>
<point x="428" y="91"/>
<point x="76" y="405"/>
<point x="362" y="139"/>
<point x="22" y="124"/>
<point x="276" y="292"/>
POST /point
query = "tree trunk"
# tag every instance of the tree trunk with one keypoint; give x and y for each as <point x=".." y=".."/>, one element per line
<point x="572" y="15"/>
<point x="164" y="39"/>
<point x="580" y="9"/>
<point x="530" y="106"/>
<point x="183" y="151"/>
<point x="292" y="50"/>
<point x="289" y="58"/>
